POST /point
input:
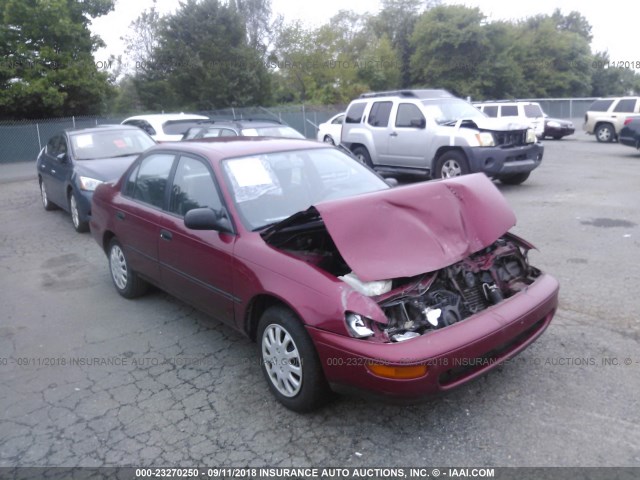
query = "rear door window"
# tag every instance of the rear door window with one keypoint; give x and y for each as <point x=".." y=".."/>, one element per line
<point x="626" y="105"/>
<point x="379" y="115"/>
<point x="601" y="105"/>
<point x="354" y="114"/>
<point x="152" y="178"/>
<point x="509" y="111"/>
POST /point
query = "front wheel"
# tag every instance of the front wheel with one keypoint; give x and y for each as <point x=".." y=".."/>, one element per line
<point x="605" y="133"/>
<point x="81" y="226"/>
<point x="362" y="154"/>
<point x="451" y="164"/>
<point x="290" y="362"/>
<point x="328" y="139"/>
<point x="515" y="179"/>
<point x="127" y="282"/>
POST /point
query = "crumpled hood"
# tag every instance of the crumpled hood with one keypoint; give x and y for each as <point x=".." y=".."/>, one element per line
<point x="415" y="229"/>
<point x="499" y="124"/>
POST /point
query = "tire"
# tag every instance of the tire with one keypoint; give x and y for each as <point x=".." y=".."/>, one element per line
<point x="127" y="282"/>
<point x="362" y="154"/>
<point x="557" y="137"/>
<point x="46" y="203"/>
<point x="515" y="179"/>
<point x="289" y="361"/>
<point x="79" y="225"/>
<point x="451" y="164"/>
<point x="604" y="133"/>
<point x="328" y="139"/>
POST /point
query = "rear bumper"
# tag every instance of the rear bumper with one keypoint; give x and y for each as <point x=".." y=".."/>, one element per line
<point x="453" y="355"/>
<point x="496" y="161"/>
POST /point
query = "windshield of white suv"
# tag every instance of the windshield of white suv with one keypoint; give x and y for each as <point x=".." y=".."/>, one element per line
<point x="447" y="110"/>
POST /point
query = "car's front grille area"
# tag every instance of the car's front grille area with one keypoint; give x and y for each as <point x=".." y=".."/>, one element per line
<point x="516" y="138"/>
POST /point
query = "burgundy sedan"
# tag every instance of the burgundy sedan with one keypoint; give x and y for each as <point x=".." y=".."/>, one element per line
<point x="344" y="282"/>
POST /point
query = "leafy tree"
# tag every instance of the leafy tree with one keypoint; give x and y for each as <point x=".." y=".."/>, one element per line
<point x="606" y="79"/>
<point x="554" y="60"/>
<point x="450" y="47"/>
<point x="47" y="67"/>
<point x="202" y="60"/>
<point x="396" y="21"/>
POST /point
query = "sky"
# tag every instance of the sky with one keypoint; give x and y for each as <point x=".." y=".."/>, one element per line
<point x="613" y="22"/>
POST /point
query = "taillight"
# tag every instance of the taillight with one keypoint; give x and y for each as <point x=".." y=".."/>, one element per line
<point x="628" y="121"/>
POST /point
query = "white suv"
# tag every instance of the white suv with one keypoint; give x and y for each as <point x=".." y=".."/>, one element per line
<point x="433" y="133"/>
<point x="166" y="127"/>
<point x="527" y="112"/>
<point x="605" y="117"/>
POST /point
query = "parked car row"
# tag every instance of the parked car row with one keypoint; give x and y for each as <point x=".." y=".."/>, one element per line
<point x="266" y="235"/>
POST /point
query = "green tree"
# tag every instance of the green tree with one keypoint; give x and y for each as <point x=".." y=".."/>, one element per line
<point x="607" y="79"/>
<point x="396" y="21"/>
<point x="451" y="47"/>
<point x="554" y="59"/>
<point x="202" y="60"/>
<point x="47" y="67"/>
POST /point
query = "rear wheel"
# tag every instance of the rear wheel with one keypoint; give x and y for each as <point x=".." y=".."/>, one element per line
<point x="362" y="154"/>
<point x="604" y="133"/>
<point x="451" y="164"/>
<point x="290" y="362"/>
<point x="515" y="179"/>
<point x="46" y="203"/>
<point x="127" y="282"/>
<point x="80" y="225"/>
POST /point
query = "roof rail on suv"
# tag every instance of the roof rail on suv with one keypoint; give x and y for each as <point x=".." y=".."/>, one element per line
<point x="431" y="93"/>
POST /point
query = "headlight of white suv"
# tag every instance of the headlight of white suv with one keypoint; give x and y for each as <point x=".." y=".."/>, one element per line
<point x="485" y="139"/>
<point x="531" y="136"/>
<point x="89" y="184"/>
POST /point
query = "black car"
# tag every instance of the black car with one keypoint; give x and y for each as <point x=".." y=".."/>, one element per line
<point x="241" y="128"/>
<point x="75" y="161"/>
<point x="557" y="128"/>
<point x="630" y="133"/>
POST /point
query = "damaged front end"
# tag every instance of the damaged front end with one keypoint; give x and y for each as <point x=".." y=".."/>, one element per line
<point x="414" y="306"/>
<point x="429" y="302"/>
<point x="421" y="258"/>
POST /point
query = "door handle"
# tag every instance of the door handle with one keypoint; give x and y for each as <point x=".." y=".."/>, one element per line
<point x="393" y="134"/>
<point x="120" y="215"/>
<point x="166" y="235"/>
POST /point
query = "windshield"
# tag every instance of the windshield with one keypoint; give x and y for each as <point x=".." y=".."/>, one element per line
<point x="110" y="143"/>
<point x="446" y="110"/>
<point x="268" y="188"/>
<point x="285" y="132"/>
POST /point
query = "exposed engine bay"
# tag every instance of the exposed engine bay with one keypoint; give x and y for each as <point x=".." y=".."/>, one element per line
<point x="424" y="303"/>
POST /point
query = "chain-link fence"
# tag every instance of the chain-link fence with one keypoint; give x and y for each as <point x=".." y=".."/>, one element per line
<point x="21" y="141"/>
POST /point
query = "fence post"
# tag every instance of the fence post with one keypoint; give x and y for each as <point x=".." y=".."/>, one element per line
<point x="73" y="119"/>
<point x="304" y="120"/>
<point x="39" y="141"/>
<point x="571" y="108"/>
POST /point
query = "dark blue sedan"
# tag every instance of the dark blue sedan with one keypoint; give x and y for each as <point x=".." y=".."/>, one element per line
<point x="75" y="161"/>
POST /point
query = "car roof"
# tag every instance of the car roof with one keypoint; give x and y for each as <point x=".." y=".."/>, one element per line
<point x="248" y="122"/>
<point x="168" y="116"/>
<point x="100" y="128"/>
<point x="219" y="148"/>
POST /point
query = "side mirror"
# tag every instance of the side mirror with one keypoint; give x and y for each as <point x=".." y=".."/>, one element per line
<point x="62" y="157"/>
<point x="207" y="219"/>
<point x="418" y="123"/>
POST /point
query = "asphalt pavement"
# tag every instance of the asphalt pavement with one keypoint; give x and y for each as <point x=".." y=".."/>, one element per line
<point x="91" y="379"/>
